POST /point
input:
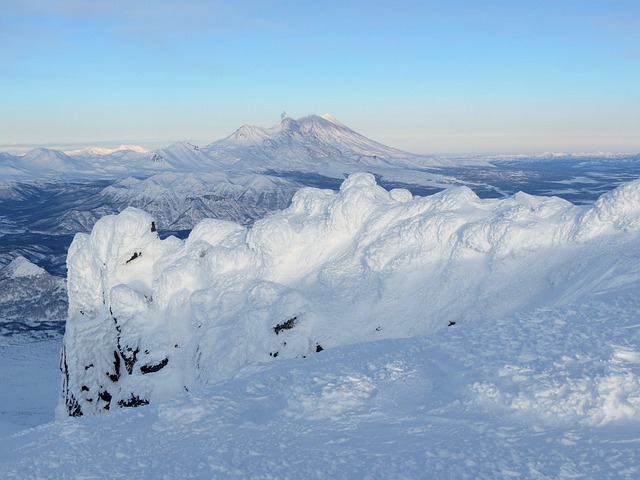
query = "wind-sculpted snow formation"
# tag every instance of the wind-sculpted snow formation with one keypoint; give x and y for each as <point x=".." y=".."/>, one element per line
<point x="149" y="318"/>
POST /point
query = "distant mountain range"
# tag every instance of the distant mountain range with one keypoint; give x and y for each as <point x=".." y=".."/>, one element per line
<point x="48" y="195"/>
<point x="311" y="145"/>
<point x="240" y="178"/>
<point x="318" y="144"/>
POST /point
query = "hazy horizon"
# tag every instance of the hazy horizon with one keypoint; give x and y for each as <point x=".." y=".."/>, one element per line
<point x="151" y="145"/>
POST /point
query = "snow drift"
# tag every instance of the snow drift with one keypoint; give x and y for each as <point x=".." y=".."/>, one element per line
<point x="149" y="318"/>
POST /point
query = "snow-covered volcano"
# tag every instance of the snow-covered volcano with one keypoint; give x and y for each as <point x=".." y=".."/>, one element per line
<point x="321" y="135"/>
<point x="313" y="143"/>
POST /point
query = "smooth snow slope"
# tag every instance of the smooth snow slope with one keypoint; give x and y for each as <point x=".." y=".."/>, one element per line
<point x="30" y="374"/>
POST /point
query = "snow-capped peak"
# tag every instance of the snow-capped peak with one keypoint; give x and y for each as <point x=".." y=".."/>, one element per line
<point x="331" y="119"/>
<point x="183" y="156"/>
<point x="314" y="142"/>
<point x="100" y="151"/>
<point x="21" y="267"/>
<point x="132" y="148"/>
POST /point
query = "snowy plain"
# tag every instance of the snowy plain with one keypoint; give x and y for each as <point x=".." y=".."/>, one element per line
<point x="461" y="337"/>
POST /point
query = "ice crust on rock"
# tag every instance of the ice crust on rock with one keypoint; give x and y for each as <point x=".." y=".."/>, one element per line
<point x="149" y="318"/>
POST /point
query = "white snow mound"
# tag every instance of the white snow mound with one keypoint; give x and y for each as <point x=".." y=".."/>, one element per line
<point x="149" y="318"/>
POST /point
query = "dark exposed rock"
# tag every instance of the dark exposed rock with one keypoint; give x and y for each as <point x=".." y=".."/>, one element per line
<point x="116" y="365"/>
<point x="288" y="325"/>
<point x="73" y="407"/>
<point x="106" y="396"/>
<point x="134" y="256"/>
<point x="154" y="368"/>
<point x="133" y="401"/>
<point x="129" y="356"/>
<point x="130" y="360"/>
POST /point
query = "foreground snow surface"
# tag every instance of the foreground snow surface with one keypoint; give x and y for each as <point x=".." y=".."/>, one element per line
<point x="537" y="376"/>
<point x="30" y="378"/>
<point x="550" y="393"/>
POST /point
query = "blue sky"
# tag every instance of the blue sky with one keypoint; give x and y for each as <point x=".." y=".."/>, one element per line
<point x="455" y="76"/>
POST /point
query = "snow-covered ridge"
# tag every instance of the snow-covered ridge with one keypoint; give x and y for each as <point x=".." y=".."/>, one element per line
<point x="149" y="318"/>
<point x="29" y="293"/>
<point x="318" y="144"/>
<point x="90" y="151"/>
<point x="46" y="159"/>
<point x="550" y="155"/>
<point x="21" y="267"/>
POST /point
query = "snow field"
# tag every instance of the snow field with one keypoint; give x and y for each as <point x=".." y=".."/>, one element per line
<point x="437" y="406"/>
<point x="30" y="379"/>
